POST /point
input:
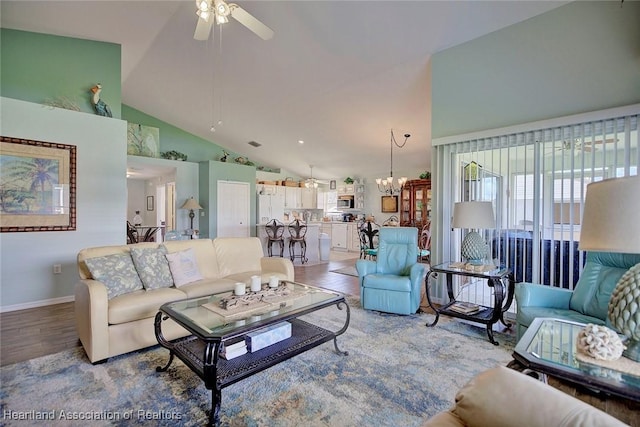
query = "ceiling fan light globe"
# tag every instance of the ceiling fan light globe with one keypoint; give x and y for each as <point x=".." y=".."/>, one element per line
<point x="202" y="5"/>
<point x="221" y="19"/>
<point x="204" y="15"/>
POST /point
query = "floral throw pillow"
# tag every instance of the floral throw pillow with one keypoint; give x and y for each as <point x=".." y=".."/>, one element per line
<point x="152" y="267"/>
<point x="117" y="272"/>
<point x="183" y="266"/>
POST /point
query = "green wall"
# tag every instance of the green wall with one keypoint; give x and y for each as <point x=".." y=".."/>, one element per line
<point x="581" y="57"/>
<point x="173" y="138"/>
<point x="35" y="67"/>
<point x="210" y="173"/>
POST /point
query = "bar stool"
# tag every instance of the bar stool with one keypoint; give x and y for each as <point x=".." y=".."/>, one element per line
<point x="275" y="233"/>
<point x="297" y="233"/>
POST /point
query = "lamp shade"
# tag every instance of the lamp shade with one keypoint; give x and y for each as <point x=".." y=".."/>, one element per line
<point x="473" y="215"/>
<point x="191" y="203"/>
<point x="610" y="218"/>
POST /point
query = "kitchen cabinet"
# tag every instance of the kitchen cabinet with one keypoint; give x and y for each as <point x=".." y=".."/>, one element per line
<point x="354" y="237"/>
<point x="358" y="202"/>
<point x="415" y="203"/>
<point x="269" y="206"/>
<point x="291" y="197"/>
<point x="340" y="236"/>
<point x="308" y="198"/>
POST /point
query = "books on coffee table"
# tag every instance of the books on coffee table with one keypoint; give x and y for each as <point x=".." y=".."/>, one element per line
<point x="234" y="349"/>
<point x="464" y="307"/>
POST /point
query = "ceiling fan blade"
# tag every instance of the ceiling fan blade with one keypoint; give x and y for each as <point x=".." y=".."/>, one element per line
<point x="203" y="28"/>
<point x="249" y="21"/>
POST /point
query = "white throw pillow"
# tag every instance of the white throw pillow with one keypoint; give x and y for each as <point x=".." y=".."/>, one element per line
<point x="184" y="267"/>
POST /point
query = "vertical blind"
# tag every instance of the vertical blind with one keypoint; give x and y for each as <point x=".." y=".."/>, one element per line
<point x="536" y="180"/>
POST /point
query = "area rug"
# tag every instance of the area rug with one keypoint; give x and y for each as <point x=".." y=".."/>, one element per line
<point x="349" y="271"/>
<point x="398" y="373"/>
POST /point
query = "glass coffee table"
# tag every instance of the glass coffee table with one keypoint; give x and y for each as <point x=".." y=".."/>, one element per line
<point x="549" y="346"/>
<point x="212" y="328"/>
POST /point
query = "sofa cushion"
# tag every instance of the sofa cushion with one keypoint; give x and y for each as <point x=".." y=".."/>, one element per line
<point x="207" y="287"/>
<point x="205" y="255"/>
<point x="183" y="267"/>
<point x="152" y="267"/>
<point x="117" y="272"/>
<point x="238" y="255"/>
<point x="141" y="304"/>
<point x="483" y="402"/>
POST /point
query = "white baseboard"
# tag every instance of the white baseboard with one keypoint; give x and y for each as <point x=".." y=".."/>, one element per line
<point x="34" y="304"/>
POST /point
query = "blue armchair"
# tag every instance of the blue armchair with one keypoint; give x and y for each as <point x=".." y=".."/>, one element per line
<point x="587" y="303"/>
<point x="392" y="282"/>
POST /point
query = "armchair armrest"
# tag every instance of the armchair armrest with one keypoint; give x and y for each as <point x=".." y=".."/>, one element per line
<point x="417" y="274"/>
<point x="92" y="318"/>
<point x="364" y="267"/>
<point x="278" y="265"/>
<point x="536" y="295"/>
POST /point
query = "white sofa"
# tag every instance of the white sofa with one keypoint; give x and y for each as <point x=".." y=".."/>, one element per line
<point x="503" y="397"/>
<point x="109" y="327"/>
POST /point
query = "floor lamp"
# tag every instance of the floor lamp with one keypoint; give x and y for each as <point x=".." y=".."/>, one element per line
<point x="193" y="205"/>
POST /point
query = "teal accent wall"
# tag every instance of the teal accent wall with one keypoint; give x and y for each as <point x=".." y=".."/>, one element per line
<point x="35" y="67"/>
<point x="173" y="138"/>
<point x="581" y="57"/>
<point x="210" y="173"/>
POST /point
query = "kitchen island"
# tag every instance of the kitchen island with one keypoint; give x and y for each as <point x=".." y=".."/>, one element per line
<point x="312" y="238"/>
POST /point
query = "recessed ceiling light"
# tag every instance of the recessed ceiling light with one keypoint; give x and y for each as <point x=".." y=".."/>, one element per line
<point x="300" y="141"/>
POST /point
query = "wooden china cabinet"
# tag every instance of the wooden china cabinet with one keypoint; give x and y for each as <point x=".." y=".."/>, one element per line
<point x="415" y="203"/>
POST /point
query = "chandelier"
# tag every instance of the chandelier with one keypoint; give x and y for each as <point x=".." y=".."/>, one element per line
<point x="386" y="185"/>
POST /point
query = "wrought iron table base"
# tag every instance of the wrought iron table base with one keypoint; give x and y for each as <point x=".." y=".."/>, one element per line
<point x="486" y="315"/>
<point x="203" y="356"/>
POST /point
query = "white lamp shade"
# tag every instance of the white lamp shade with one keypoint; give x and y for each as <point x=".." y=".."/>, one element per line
<point x="610" y="217"/>
<point x="191" y="204"/>
<point x="473" y="215"/>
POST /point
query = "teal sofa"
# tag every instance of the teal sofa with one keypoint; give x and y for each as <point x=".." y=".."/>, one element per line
<point x="587" y="303"/>
<point x="392" y="282"/>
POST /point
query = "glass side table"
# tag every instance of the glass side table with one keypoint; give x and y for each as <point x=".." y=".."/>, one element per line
<point x="499" y="279"/>
<point x="549" y="346"/>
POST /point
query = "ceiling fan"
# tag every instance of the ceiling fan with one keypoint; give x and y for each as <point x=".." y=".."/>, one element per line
<point x="578" y="145"/>
<point x="312" y="182"/>
<point x="220" y="11"/>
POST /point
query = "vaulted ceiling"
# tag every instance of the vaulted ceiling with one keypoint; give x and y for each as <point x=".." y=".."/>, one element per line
<point x="337" y="74"/>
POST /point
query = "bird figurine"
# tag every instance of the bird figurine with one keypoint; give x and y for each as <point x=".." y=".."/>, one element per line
<point x="101" y="108"/>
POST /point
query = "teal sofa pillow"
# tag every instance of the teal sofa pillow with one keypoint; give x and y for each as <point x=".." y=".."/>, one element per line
<point x="152" y="267"/>
<point x="117" y="272"/>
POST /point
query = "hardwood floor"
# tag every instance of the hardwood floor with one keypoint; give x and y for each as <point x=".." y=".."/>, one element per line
<point x="35" y="332"/>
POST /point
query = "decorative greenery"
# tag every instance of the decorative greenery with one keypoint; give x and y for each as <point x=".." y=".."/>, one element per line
<point x="62" y="102"/>
<point x="174" y="155"/>
<point x="425" y="175"/>
<point x="348" y="180"/>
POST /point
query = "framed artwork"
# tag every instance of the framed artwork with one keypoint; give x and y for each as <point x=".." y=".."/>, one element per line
<point x="143" y="140"/>
<point x="389" y="204"/>
<point x="37" y="186"/>
<point x="150" y="203"/>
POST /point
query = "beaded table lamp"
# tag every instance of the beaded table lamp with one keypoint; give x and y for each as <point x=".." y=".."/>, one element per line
<point x="473" y="215"/>
<point x="610" y="224"/>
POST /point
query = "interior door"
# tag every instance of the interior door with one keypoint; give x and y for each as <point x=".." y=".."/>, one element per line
<point x="234" y="208"/>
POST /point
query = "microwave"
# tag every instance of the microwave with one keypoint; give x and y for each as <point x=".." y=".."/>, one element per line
<point x="345" y="202"/>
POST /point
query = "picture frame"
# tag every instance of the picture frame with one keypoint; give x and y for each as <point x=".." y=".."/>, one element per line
<point x="143" y="140"/>
<point x="37" y="185"/>
<point x="389" y="204"/>
<point x="150" y="205"/>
